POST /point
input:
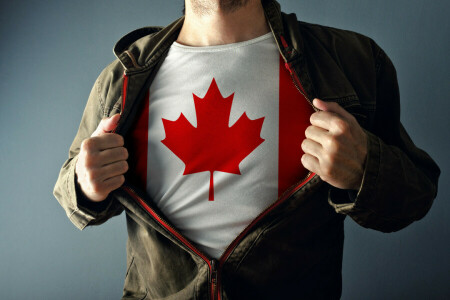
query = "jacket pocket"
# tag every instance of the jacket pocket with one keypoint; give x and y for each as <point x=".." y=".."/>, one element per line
<point x="134" y="288"/>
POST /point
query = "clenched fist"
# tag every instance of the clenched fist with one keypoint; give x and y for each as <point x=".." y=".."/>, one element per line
<point x="335" y="146"/>
<point x="102" y="161"/>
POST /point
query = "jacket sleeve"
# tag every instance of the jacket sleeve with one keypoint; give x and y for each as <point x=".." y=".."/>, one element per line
<point x="400" y="180"/>
<point x="80" y="210"/>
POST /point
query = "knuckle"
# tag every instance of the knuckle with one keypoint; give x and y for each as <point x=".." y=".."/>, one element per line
<point x="332" y="145"/>
<point x="305" y="161"/>
<point x="314" y="116"/>
<point x="303" y="145"/>
<point x="119" y="139"/>
<point x="91" y="144"/>
<point x="125" y="153"/>
<point x="124" y="166"/>
<point x="340" y="125"/>
<point x="117" y="182"/>
<point x="303" y="158"/>
<point x="329" y="142"/>
<point x="83" y="146"/>
<point x="352" y="118"/>
<point x="86" y="145"/>
<point x="327" y="171"/>
<point x="328" y="160"/>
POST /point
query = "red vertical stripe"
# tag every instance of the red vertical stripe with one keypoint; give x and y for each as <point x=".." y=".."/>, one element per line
<point x="294" y="113"/>
<point x="137" y="146"/>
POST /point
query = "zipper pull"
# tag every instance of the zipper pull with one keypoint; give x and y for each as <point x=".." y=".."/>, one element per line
<point x="213" y="279"/>
<point x="213" y="271"/>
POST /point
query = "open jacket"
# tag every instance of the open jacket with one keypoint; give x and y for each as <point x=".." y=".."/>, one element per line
<point x="293" y="250"/>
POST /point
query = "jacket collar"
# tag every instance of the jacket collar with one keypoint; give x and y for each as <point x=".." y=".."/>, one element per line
<point x="141" y="49"/>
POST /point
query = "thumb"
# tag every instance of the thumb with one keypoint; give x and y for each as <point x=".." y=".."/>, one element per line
<point x="331" y="107"/>
<point x="106" y="125"/>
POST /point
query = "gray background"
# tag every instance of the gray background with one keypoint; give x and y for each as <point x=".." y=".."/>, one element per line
<point x="52" y="51"/>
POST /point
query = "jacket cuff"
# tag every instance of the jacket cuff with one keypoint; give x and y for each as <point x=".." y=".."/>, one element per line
<point x="86" y="204"/>
<point x="346" y="201"/>
<point x="83" y="210"/>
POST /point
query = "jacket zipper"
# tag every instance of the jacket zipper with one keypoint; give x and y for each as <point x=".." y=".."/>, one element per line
<point x="283" y="197"/>
<point x="236" y="241"/>
<point x="214" y="265"/>
<point x="294" y="75"/>
<point x="214" y="279"/>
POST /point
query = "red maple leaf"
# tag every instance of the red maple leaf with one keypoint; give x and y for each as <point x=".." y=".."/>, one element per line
<point x="212" y="145"/>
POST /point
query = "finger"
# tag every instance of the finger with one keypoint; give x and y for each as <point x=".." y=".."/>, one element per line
<point x="113" y="170"/>
<point x="324" y="119"/>
<point x="332" y="107"/>
<point x="112" y="155"/>
<point x="332" y="122"/>
<point x="102" y="142"/>
<point x="114" y="182"/>
<point x="311" y="147"/>
<point x="311" y="163"/>
<point x="316" y="133"/>
<point x="106" y="125"/>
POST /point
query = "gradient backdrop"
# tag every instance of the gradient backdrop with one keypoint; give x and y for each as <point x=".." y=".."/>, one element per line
<point x="52" y="51"/>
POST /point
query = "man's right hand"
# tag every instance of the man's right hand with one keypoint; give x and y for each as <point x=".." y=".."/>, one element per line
<point x="102" y="161"/>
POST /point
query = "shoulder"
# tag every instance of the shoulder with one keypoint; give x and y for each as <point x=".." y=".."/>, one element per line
<point x="341" y="60"/>
<point x="332" y="35"/>
<point x="339" y="40"/>
<point x="108" y="87"/>
<point x="133" y="52"/>
<point x="353" y="52"/>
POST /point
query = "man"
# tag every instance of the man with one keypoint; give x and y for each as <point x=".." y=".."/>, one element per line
<point x="237" y="139"/>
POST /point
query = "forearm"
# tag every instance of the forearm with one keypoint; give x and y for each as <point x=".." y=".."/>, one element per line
<point x="395" y="191"/>
<point x="400" y="180"/>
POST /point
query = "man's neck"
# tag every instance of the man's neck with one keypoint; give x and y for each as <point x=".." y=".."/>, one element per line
<point x="211" y="25"/>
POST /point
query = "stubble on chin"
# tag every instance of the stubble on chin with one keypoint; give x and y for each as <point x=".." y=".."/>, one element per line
<point x="206" y="7"/>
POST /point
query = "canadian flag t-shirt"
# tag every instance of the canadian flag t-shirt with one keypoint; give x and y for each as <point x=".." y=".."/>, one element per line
<point x="219" y="138"/>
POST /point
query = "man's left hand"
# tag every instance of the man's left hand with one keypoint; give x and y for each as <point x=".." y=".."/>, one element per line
<point x="335" y="146"/>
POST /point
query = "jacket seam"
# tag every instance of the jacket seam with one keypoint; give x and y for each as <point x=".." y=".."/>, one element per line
<point x="373" y="212"/>
<point x="73" y="212"/>
<point x="146" y="67"/>
<point x="133" y="60"/>
<point x="255" y="241"/>
<point x="80" y="222"/>
<point x="100" y="98"/>
<point x="375" y="183"/>
<point x="196" y="289"/>
<point x="378" y="59"/>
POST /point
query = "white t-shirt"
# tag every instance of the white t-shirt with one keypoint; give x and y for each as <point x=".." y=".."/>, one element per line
<point x="219" y="138"/>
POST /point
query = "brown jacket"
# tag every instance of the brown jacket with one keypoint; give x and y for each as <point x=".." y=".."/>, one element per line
<point x="293" y="250"/>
